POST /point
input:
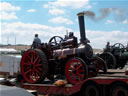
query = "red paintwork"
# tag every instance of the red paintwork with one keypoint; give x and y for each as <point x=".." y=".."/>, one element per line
<point x="75" y="71"/>
<point x="105" y="81"/>
<point x="31" y="66"/>
<point x="68" y="90"/>
<point x="49" y="89"/>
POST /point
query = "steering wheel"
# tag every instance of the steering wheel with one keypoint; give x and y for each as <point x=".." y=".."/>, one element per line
<point x="55" y="41"/>
<point x="118" y="46"/>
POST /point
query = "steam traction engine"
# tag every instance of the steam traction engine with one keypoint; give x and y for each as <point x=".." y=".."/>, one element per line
<point x="62" y="56"/>
<point x="115" y="56"/>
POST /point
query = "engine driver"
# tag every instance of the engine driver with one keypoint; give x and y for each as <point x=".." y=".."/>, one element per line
<point x="107" y="49"/>
<point x="36" y="42"/>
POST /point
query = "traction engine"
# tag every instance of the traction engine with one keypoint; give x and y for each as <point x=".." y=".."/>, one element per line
<point x="115" y="56"/>
<point x="63" y="57"/>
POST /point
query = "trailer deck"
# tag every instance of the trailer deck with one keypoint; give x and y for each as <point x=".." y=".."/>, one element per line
<point x="109" y="79"/>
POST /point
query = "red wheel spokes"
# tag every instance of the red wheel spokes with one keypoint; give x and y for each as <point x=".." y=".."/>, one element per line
<point x="29" y="58"/>
<point x="31" y="66"/>
<point x="72" y="74"/>
<point x="79" y="66"/>
<point x="37" y="60"/>
<point x="37" y="71"/>
<point x="81" y="73"/>
<point x="28" y="71"/>
<point x="37" y="65"/>
<point x="27" y="64"/>
<point x="75" y="71"/>
<point x="39" y="68"/>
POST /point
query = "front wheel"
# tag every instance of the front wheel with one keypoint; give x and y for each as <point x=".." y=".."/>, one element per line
<point x="76" y="70"/>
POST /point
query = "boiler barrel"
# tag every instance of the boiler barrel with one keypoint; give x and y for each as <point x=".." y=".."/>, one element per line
<point x="84" y="50"/>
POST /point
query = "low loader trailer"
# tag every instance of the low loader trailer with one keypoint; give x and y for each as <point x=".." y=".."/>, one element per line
<point x="111" y="84"/>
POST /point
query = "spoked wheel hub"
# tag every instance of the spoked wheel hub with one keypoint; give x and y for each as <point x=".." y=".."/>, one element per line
<point x="75" y="70"/>
<point x="32" y="67"/>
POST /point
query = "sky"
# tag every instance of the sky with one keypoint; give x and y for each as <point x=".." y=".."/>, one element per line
<point x="21" y="19"/>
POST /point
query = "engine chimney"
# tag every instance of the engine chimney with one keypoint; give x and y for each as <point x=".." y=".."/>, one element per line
<point x="82" y="27"/>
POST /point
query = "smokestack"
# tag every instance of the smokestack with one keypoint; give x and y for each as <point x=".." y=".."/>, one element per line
<point x="82" y="27"/>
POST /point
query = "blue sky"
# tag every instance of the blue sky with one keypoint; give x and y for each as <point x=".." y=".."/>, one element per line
<point x="21" y="19"/>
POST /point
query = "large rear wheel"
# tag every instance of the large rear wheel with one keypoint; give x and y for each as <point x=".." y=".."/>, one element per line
<point x="76" y="70"/>
<point x="109" y="59"/>
<point x="34" y="66"/>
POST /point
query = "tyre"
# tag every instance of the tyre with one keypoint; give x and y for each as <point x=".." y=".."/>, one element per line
<point x="109" y="59"/>
<point x="34" y="66"/>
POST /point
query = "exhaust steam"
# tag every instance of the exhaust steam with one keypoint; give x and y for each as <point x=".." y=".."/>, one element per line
<point x="119" y="14"/>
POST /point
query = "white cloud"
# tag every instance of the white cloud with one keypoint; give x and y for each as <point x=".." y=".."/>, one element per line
<point x="46" y="6"/>
<point x="125" y="21"/>
<point x="68" y="3"/>
<point x="8" y="11"/>
<point x="31" y="10"/>
<point x="8" y="16"/>
<point x="61" y="20"/>
<point x="98" y="39"/>
<point x="25" y="32"/>
<point x="56" y="11"/>
<point x="5" y="6"/>
<point x="109" y="22"/>
<point x="88" y="6"/>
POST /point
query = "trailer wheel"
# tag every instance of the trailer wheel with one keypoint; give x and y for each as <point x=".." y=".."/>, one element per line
<point x="76" y="70"/>
<point x="119" y="90"/>
<point x="34" y="66"/>
<point x="90" y="90"/>
<point x="109" y="59"/>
